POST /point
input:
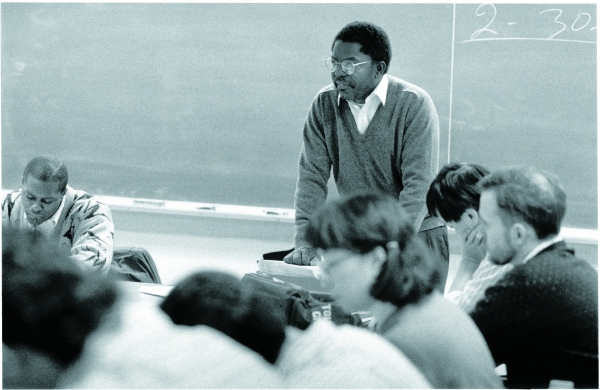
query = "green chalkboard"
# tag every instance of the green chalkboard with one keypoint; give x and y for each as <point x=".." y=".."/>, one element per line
<point x="206" y="102"/>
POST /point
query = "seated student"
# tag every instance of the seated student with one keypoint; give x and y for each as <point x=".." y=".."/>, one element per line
<point x="454" y="196"/>
<point x="219" y="300"/>
<point x="49" y="308"/>
<point x="75" y="221"/>
<point x="144" y="349"/>
<point x="377" y="263"/>
<point x="323" y="356"/>
<point x="541" y="319"/>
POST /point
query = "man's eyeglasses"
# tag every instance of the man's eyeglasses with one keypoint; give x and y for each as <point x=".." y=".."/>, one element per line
<point x="347" y="66"/>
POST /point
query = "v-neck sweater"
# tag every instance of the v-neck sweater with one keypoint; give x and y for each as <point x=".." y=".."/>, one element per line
<point x="398" y="154"/>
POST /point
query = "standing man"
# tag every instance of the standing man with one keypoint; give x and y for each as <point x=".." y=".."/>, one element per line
<point x="75" y="221"/>
<point x="541" y="319"/>
<point x="377" y="132"/>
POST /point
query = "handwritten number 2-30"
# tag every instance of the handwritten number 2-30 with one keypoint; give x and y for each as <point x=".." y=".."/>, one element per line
<point x="582" y="21"/>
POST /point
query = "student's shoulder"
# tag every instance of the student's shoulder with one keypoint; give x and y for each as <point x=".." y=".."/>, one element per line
<point x="83" y="202"/>
<point x="560" y="265"/>
<point x="81" y="196"/>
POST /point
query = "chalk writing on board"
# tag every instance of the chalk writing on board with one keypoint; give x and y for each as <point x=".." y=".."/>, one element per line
<point x="551" y="18"/>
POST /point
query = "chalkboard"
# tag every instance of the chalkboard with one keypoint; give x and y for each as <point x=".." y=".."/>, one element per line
<point x="206" y="102"/>
<point x="524" y="92"/>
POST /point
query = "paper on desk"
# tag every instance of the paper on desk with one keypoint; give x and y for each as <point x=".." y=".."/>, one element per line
<point x="278" y="267"/>
<point x="159" y="290"/>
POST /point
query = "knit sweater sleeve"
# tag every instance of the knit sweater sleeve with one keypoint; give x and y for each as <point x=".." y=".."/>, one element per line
<point x="419" y="155"/>
<point x="90" y="230"/>
<point x="313" y="172"/>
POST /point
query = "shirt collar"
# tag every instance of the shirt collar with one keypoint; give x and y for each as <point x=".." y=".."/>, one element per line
<point x="541" y="247"/>
<point x="380" y="91"/>
<point x="56" y="215"/>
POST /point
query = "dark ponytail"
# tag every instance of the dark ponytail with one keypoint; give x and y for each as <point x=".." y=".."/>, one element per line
<point x="363" y="222"/>
<point x="408" y="274"/>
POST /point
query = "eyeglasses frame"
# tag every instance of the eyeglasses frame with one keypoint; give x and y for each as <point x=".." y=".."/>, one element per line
<point x="339" y="64"/>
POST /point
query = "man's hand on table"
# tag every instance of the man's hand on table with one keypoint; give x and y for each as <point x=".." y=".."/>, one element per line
<point x="301" y="256"/>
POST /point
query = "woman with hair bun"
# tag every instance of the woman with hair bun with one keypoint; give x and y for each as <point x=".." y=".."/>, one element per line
<point x="376" y="262"/>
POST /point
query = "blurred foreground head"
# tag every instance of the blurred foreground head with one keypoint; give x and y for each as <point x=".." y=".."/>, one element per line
<point x="219" y="300"/>
<point x="370" y="251"/>
<point x="50" y="307"/>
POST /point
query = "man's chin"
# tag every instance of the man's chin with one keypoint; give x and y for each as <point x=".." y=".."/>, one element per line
<point x="35" y="220"/>
<point x="345" y="95"/>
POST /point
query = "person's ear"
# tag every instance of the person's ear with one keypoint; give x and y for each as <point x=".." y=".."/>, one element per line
<point x="378" y="256"/>
<point x="518" y="234"/>
<point x="472" y="217"/>
<point x="381" y="67"/>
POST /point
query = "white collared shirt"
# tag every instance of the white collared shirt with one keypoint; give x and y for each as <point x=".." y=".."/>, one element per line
<point x="541" y="247"/>
<point x="45" y="227"/>
<point x="363" y="113"/>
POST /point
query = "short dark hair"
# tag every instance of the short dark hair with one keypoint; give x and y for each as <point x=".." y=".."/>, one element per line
<point x="47" y="168"/>
<point x="373" y="41"/>
<point x="454" y="190"/>
<point x="531" y="195"/>
<point x="49" y="304"/>
<point x="221" y="301"/>
<point x="362" y="222"/>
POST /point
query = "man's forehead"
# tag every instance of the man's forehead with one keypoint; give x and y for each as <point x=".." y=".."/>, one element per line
<point x="347" y="50"/>
<point x="35" y="186"/>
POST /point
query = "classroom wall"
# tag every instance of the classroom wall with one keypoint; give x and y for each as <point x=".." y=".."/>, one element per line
<point x="206" y="102"/>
